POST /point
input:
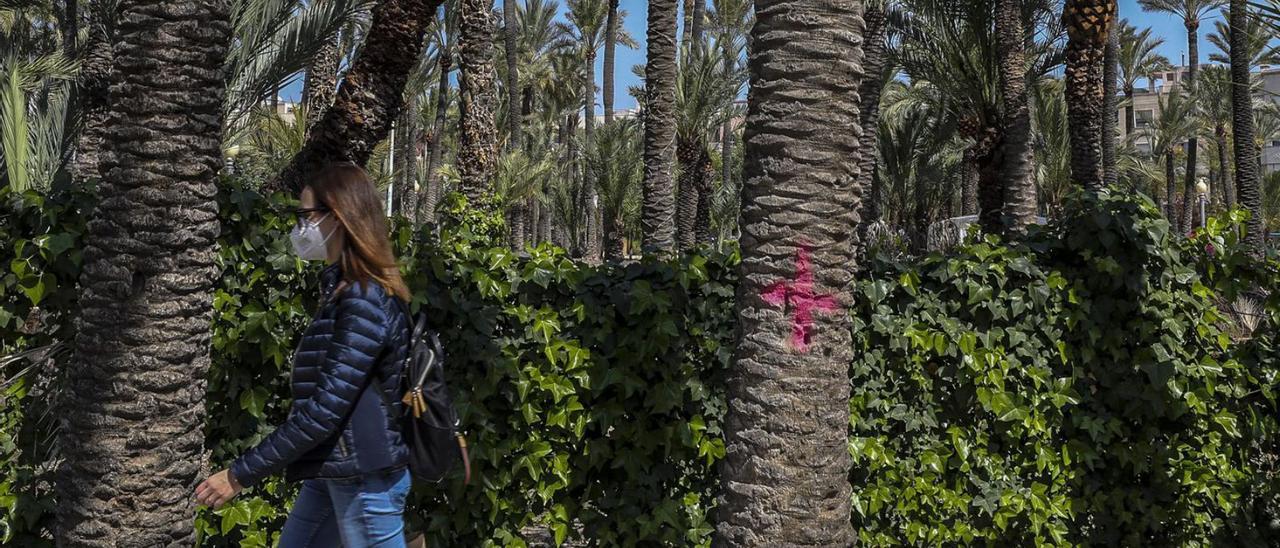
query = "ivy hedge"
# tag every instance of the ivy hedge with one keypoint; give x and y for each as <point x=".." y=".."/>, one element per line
<point x="1080" y="388"/>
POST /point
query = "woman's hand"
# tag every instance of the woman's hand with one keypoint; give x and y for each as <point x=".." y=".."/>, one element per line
<point x="218" y="489"/>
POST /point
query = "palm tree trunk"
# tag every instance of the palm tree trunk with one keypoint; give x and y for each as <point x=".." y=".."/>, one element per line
<point x="427" y="207"/>
<point x="786" y="470"/>
<point x="1110" y="172"/>
<point x="1019" y="204"/>
<point x="687" y="195"/>
<point x="1128" y="111"/>
<point x="477" y="132"/>
<point x="69" y="24"/>
<point x="610" y="56"/>
<point x="1243" y="131"/>
<point x="702" y="218"/>
<point x="1088" y="24"/>
<point x="1193" y="144"/>
<point x="510" y="35"/>
<point x="133" y="413"/>
<point x="1224" y="173"/>
<point x="371" y="95"/>
<point x="687" y="27"/>
<point x="407" y="157"/>
<point x="969" y="184"/>
<point x="594" y="240"/>
<point x="699" y="18"/>
<point x="1170" y="190"/>
<point x="321" y="82"/>
<point x="93" y="100"/>
<point x="873" y="61"/>
<point x="658" y="214"/>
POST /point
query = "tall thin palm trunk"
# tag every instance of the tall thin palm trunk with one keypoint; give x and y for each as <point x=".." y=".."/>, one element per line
<point x="406" y="159"/>
<point x="594" y="240"/>
<point x="93" y="98"/>
<point x="1088" y="24"/>
<point x="428" y="201"/>
<point x="321" y="82"/>
<point x="687" y="26"/>
<point x="510" y="36"/>
<point x="688" y="154"/>
<point x="1242" y="129"/>
<point x="133" y="414"/>
<point x="1224" y="163"/>
<point x="1110" y="109"/>
<point x="1193" y="143"/>
<point x="699" y="20"/>
<point x="658" y="214"/>
<point x="786" y="470"/>
<point x="1019" y="202"/>
<point x="477" y="132"/>
<point x="875" y="55"/>
<point x="1170" y="187"/>
<point x="610" y="59"/>
<point x="370" y="96"/>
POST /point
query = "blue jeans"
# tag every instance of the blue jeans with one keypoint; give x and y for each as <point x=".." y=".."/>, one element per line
<point x="361" y="511"/>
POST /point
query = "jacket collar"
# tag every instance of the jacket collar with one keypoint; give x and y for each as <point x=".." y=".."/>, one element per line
<point x="329" y="278"/>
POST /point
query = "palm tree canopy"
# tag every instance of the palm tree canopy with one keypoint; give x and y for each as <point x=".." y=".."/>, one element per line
<point x="1137" y="57"/>
<point x="1258" y="35"/>
<point x="1190" y="11"/>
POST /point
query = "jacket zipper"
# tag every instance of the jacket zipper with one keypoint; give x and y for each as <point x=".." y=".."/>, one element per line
<point x="342" y="445"/>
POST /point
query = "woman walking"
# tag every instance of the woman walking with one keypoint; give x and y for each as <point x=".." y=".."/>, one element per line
<point x="340" y="439"/>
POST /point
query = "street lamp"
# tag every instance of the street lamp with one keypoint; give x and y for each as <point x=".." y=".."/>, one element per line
<point x="232" y="152"/>
<point x="1202" y="188"/>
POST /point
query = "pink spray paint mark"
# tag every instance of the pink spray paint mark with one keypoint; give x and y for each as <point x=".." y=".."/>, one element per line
<point x="798" y="296"/>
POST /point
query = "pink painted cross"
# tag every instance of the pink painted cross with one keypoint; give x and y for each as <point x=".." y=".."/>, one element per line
<point x="797" y="295"/>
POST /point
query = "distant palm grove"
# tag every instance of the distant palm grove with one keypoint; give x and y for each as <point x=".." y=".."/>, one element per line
<point x="850" y="272"/>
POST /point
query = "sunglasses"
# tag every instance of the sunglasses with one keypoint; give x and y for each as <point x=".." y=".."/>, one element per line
<point x="304" y="213"/>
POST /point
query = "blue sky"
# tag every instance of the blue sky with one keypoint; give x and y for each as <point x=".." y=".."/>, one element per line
<point x="1165" y="26"/>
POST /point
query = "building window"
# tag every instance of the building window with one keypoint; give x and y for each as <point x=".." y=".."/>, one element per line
<point x="1275" y="143"/>
<point x="1143" y="118"/>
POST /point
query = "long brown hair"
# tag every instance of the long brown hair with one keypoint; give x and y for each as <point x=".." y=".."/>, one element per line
<point x="349" y="194"/>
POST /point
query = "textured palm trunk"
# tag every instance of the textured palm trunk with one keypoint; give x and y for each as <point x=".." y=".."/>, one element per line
<point x="477" y="133"/>
<point x="431" y="198"/>
<point x="873" y="61"/>
<point x="687" y="26"/>
<point x="594" y="237"/>
<point x="516" y="223"/>
<point x="1224" y="163"/>
<point x="658" y="212"/>
<point x="407" y="136"/>
<point x="69" y="24"/>
<point x="1170" y="191"/>
<point x="969" y="183"/>
<point x="1193" y="144"/>
<point x="510" y="36"/>
<point x="1088" y="24"/>
<point x="785" y="474"/>
<point x="93" y="100"/>
<point x="1110" y="113"/>
<point x="370" y="96"/>
<point x="610" y="59"/>
<point x="702" y="182"/>
<point x="133" y="413"/>
<point x="687" y="195"/>
<point x="699" y="18"/>
<point x="531" y="221"/>
<point x="1243" y="131"/>
<point x="614" y="230"/>
<point x="1019" y="203"/>
<point x="321" y="82"/>
<point x="1128" y="111"/>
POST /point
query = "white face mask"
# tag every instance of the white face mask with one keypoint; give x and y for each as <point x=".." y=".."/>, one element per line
<point x="309" y="242"/>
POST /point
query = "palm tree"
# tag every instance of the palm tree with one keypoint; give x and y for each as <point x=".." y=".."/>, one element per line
<point x="1247" y="177"/>
<point x="875" y="55"/>
<point x="1258" y="37"/>
<point x="730" y="22"/>
<point x="146" y="288"/>
<point x="477" y="133"/>
<point x="1088" y="23"/>
<point x="615" y="161"/>
<point x="321" y="81"/>
<point x="510" y="35"/>
<point x="1015" y="169"/>
<point x="613" y="21"/>
<point x="1110" y="107"/>
<point x="703" y="97"/>
<point x="1172" y="126"/>
<point x="444" y="43"/>
<point x="519" y="178"/>
<point x="370" y="96"/>
<point x="1138" y="59"/>
<point x="92" y="93"/>
<point x="917" y="152"/>
<point x="786" y="469"/>
<point x="1191" y="12"/>
<point x="658" y="214"/>
<point x="1214" y="98"/>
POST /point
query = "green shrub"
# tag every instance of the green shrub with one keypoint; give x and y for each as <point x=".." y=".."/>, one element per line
<point x="1077" y="389"/>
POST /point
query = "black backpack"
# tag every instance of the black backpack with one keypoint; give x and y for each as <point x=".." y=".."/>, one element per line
<point x="430" y="423"/>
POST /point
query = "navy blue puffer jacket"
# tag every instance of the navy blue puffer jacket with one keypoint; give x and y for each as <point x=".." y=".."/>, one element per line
<point x="337" y="428"/>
